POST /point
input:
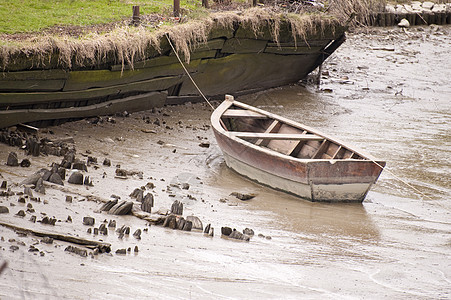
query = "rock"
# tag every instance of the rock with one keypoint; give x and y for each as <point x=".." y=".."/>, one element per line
<point x="27" y="191"/>
<point x="121" y="172"/>
<point x="137" y="234"/>
<point x="103" y="229"/>
<point x="66" y="164"/>
<point x="12" y="160"/>
<point x="21" y="200"/>
<point x="47" y="240"/>
<point x="88" y="221"/>
<point x="188" y="226"/>
<point x="4" y="185"/>
<point x="68" y="199"/>
<point x="61" y="172"/>
<point x="170" y="221"/>
<point x="243" y="197"/>
<point x="33" y="249"/>
<point x="40" y="188"/>
<point x="226" y="231"/>
<point x="107" y="206"/>
<point x="404" y="23"/>
<point x="185" y="186"/>
<point x="248" y="231"/>
<point x="196" y="222"/>
<point x="76" y="250"/>
<point x="112" y="223"/>
<point x="91" y="160"/>
<point x="79" y="165"/>
<point x="69" y="219"/>
<point x="4" y="210"/>
<point x="121" y="251"/>
<point x="207" y="228"/>
<point x="32" y="179"/>
<point x="33" y="219"/>
<point x="204" y="145"/>
<point x="239" y="236"/>
<point x="177" y="208"/>
<point x="136" y="249"/>
<point x="20" y="213"/>
<point x="107" y="162"/>
<point x="89" y="230"/>
<point x="87" y="181"/>
<point x="147" y="203"/>
<point x="25" y="163"/>
<point x="122" y="208"/>
<point x="56" y="178"/>
<point x="76" y="178"/>
<point x="181" y="223"/>
<point x="138" y="194"/>
<point x="96" y="231"/>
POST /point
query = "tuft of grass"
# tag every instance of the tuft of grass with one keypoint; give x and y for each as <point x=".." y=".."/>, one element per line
<point x="27" y="16"/>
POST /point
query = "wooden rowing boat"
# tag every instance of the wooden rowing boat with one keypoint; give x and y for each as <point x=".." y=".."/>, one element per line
<point x="292" y="157"/>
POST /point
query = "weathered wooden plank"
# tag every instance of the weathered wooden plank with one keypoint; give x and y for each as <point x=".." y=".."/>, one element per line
<point x="165" y="61"/>
<point x="243" y="45"/>
<point x="214" y="44"/>
<point x="277" y="136"/>
<point x="130" y="104"/>
<point x="300" y="42"/>
<point x="34" y="75"/>
<point x="238" y="72"/>
<point x="242" y="113"/>
<point x="292" y="50"/>
<point x="31" y="85"/>
<point x="158" y="84"/>
<point x="82" y="80"/>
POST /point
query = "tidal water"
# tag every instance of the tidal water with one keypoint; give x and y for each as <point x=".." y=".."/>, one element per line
<point x="386" y="91"/>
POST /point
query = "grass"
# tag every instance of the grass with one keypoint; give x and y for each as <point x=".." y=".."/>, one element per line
<point x="19" y="16"/>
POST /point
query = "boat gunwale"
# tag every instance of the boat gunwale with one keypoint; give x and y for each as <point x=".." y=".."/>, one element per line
<point x="219" y="111"/>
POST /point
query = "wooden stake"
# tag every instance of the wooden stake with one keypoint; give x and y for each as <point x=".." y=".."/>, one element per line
<point x="135" y="15"/>
<point x="205" y="4"/>
<point x="176" y="8"/>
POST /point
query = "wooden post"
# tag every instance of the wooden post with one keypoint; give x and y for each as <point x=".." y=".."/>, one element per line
<point x="205" y="4"/>
<point x="135" y="20"/>
<point x="176" y="8"/>
<point x="254" y="3"/>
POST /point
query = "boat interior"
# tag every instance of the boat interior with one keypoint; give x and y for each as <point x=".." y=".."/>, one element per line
<point x="270" y="133"/>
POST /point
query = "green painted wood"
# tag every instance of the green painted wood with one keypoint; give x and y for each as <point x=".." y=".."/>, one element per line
<point x="158" y="84"/>
<point x="300" y="42"/>
<point x="242" y="45"/>
<point x="292" y="50"/>
<point x="34" y="75"/>
<point x="130" y="104"/>
<point x="163" y="61"/>
<point x="31" y="85"/>
<point x="238" y="72"/>
<point x="82" y="80"/>
<point x="214" y="44"/>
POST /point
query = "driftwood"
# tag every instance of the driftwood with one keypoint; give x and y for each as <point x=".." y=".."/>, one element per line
<point x="103" y="247"/>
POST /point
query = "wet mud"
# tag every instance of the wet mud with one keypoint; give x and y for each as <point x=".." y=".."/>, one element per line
<point x="385" y="90"/>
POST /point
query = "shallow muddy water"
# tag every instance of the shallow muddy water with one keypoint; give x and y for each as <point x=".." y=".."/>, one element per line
<point x="386" y="91"/>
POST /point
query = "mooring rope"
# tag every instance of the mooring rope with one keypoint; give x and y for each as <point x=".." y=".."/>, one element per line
<point x="187" y="73"/>
<point x="401" y="180"/>
<point x="212" y="107"/>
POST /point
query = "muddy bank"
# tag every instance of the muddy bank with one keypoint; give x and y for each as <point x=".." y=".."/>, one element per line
<point x="374" y="93"/>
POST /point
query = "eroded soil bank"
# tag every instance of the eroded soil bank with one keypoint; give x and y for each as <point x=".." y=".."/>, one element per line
<point x="387" y="91"/>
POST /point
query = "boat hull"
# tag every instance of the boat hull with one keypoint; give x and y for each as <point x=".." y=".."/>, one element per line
<point x="318" y="181"/>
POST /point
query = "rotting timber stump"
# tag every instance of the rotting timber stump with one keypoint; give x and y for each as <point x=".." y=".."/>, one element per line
<point x="234" y="60"/>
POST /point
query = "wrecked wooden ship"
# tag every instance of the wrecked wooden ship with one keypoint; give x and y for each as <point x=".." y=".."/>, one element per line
<point x="290" y="156"/>
<point x="235" y="57"/>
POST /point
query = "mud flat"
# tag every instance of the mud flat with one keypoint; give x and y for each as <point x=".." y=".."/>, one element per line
<point x="384" y="90"/>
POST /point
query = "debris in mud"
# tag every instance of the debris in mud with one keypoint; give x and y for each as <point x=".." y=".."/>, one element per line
<point x="12" y="160"/>
<point x="4" y="210"/>
<point x="177" y="208"/>
<point x="76" y="250"/>
<point x="76" y="178"/>
<point x="243" y="197"/>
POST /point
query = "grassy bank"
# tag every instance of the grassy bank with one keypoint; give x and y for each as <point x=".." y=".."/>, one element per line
<point x="34" y="15"/>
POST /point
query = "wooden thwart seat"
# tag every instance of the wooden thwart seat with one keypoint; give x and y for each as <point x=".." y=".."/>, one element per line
<point x="241" y="113"/>
<point x="277" y="136"/>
